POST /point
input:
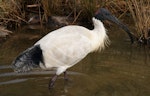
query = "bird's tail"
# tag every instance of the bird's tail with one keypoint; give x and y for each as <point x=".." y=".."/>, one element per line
<point x="28" y="59"/>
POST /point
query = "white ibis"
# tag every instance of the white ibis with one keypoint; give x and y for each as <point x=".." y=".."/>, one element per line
<point x="62" y="48"/>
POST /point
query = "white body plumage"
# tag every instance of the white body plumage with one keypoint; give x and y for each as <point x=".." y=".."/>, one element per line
<point x="66" y="46"/>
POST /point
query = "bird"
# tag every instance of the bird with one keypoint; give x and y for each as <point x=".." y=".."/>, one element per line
<point x="62" y="49"/>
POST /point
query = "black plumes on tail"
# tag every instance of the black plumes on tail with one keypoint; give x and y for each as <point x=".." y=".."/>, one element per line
<point x="28" y="59"/>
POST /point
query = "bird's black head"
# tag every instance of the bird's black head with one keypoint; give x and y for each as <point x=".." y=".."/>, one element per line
<point x="103" y="14"/>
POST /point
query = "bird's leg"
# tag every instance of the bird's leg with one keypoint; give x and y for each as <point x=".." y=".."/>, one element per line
<point x="52" y="81"/>
<point x="65" y="79"/>
<point x="65" y="76"/>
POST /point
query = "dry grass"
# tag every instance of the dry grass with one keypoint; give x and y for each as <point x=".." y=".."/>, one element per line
<point x="82" y="8"/>
<point x="140" y="10"/>
<point x="16" y="10"/>
<point x="11" y="12"/>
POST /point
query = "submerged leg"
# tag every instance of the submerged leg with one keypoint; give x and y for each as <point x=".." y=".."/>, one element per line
<point x="52" y="81"/>
<point x="67" y="81"/>
<point x="65" y="76"/>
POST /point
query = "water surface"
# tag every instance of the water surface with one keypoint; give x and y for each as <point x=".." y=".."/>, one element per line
<point x="121" y="69"/>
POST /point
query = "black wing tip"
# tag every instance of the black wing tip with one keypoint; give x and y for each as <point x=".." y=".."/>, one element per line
<point x="20" y="67"/>
<point x="28" y="59"/>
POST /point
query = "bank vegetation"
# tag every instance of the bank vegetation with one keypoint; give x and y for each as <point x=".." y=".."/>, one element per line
<point x="14" y="13"/>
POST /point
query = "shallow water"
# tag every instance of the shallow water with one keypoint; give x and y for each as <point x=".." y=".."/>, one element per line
<point x="121" y="69"/>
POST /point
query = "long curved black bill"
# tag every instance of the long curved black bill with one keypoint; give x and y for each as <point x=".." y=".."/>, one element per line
<point x="121" y="25"/>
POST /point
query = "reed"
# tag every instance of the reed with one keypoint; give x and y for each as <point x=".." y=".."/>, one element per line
<point x="140" y="11"/>
<point x="17" y="11"/>
<point x="82" y="8"/>
<point x="11" y="12"/>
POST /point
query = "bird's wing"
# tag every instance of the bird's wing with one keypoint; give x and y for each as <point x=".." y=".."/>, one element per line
<point x="64" y="49"/>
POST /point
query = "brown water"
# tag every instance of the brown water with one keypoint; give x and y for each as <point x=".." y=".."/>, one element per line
<point x="120" y="70"/>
